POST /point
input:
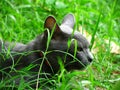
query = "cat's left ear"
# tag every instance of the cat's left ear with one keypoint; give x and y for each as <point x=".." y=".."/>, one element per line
<point x="69" y="20"/>
<point x="51" y="24"/>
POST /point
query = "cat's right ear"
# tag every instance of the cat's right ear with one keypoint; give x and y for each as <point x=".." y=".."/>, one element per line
<point x="69" y="20"/>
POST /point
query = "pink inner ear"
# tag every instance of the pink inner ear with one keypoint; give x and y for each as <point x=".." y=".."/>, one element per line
<point x="50" y="22"/>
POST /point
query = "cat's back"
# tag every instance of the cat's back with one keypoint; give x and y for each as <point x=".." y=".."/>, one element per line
<point x="12" y="46"/>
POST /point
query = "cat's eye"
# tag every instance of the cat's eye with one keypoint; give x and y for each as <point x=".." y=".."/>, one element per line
<point x="79" y="48"/>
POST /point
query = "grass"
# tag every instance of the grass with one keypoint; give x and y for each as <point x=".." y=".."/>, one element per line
<point x="22" y="21"/>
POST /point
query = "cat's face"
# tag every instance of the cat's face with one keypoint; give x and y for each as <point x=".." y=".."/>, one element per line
<point x="71" y="47"/>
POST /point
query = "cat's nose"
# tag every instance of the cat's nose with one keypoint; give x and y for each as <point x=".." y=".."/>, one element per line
<point x="90" y="59"/>
<point x="90" y="56"/>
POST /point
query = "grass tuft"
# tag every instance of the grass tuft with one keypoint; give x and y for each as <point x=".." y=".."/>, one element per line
<point x="22" y="21"/>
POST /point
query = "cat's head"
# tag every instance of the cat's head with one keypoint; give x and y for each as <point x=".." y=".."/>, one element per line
<point x="67" y="44"/>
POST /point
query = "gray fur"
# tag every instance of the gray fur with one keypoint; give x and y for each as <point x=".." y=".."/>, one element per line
<point x="24" y="55"/>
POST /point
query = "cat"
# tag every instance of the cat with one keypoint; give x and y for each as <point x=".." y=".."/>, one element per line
<point x="55" y="44"/>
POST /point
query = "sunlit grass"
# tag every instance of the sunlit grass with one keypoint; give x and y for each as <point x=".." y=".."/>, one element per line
<point x="22" y="21"/>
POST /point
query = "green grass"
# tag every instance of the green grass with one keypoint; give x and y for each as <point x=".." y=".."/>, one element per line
<point x="23" y="20"/>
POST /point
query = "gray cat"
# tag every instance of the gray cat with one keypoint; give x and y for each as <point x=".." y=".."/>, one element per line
<point x="75" y="55"/>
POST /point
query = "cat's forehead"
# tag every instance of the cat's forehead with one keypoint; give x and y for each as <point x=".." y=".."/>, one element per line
<point x="77" y="35"/>
<point x="81" y="39"/>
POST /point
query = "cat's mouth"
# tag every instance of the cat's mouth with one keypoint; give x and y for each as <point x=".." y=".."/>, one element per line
<point x="76" y="66"/>
<point x="80" y="62"/>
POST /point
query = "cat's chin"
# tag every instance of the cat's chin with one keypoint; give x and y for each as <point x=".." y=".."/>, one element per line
<point x="75" y="69"/>
<point x="77" y="66"/>
<point x="85" y="63"/>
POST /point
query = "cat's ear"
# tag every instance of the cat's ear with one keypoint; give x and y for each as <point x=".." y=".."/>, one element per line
<point x="69" y="20"/>
<point x="51" y="24"/>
